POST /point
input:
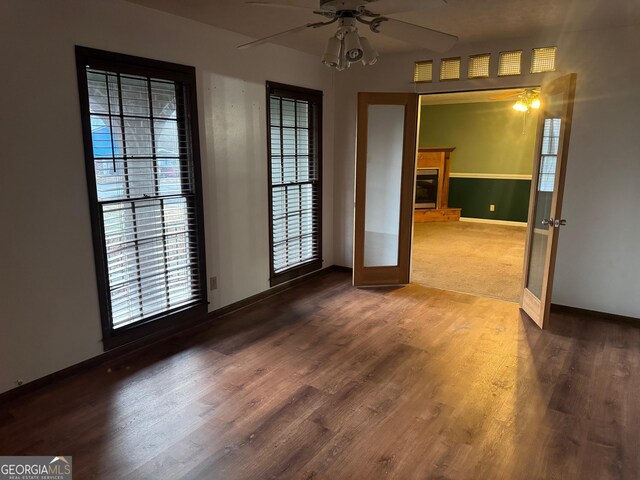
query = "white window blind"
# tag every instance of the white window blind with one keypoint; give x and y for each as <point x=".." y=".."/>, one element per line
<point x="295" y="179"/>
<point x="549" y="157"/>
<point x="146" y="202"/>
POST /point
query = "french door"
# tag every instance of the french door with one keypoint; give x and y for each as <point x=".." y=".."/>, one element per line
<point x="547" y="187"/>
<point x="385" y="175"/>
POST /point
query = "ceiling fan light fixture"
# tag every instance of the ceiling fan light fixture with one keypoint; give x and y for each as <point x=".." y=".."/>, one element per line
<point x="529" y="99"/>
<point x="342" y="62"/>
<point x="348" y="15"/>
<point x="352" y="48"/>
<point x="520" y="106"/>
<point x="370" y="54"/>
<point x="331" y="57"/>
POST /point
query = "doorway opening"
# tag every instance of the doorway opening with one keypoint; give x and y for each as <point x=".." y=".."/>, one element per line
<point x="473" y="180"/>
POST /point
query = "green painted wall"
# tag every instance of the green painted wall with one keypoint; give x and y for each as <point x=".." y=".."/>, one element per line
<point x="474" y="195"/>
<point x="489" y="140"/>
<point x="488" y="136"/>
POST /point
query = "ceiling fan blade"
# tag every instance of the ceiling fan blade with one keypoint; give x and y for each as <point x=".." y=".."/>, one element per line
<point x="522" y="91"/>
<point x="287" y="6"/>
<point x="389" y="7"/>
<point x="417" y="35"/>
<point x="268" y="39"/>
<point x="502" y="96"/>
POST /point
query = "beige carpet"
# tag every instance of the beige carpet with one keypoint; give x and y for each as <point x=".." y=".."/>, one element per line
<point x="476" y="258"/>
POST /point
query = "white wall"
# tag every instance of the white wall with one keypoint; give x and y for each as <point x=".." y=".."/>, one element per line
<point x="598" y="265"/>
<point x="48" y="298"/>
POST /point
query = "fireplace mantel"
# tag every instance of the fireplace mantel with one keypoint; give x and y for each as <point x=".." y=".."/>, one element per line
<point x="440" y="158"/>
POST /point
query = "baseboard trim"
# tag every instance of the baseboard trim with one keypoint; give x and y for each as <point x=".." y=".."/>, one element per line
<point x="341" y="268"/>
<point x="123" y="352"/>
<point x="246" y="302"/>
<point x="583" y="312"/>
<point x="495" y="222"/>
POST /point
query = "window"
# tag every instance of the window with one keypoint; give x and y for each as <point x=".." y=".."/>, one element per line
<point x="294" y="123"/>
<point x="543" y="60"/>
<point x="509" y="63"/>
<point x="423" y="71"/>
<point x="479" y="66"/>
<point x="450" y="69"/>
<point x="143" y="172"/>
<point x="549" y="157"/>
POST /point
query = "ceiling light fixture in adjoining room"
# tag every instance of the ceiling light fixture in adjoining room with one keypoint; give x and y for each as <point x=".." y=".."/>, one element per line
<point x="520" y="106"/>
<point x="529" y="99"/>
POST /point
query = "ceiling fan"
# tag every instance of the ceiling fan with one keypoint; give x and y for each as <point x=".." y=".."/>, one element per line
<point x="528" y="98"/>
<point x="346" y="46"/>
<point x="515" y="93"/>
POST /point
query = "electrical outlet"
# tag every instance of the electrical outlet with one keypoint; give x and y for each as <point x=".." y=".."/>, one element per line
<point x="213" y="283"/>
<point x="492" y="208"/>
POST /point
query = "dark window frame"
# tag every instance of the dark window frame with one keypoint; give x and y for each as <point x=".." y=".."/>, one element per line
<point x="179" y="317"/>
<point x="313" y="97"/>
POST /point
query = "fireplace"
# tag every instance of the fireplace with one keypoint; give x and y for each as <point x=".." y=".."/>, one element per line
<point x="432" y="186"/>
<point x="427" y="187"/>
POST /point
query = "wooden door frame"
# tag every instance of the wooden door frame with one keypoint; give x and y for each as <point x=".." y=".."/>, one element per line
<point x="528" y="300"/>
<point x="399" y="274"/>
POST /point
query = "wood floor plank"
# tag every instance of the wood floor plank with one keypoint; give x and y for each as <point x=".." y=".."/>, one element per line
<point x="325" y="381"/>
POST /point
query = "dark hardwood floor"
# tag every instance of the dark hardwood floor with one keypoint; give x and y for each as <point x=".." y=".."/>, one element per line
<point x="325" y="381"/>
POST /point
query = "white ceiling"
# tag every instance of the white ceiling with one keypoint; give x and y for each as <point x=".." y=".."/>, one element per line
<point x="470" y="20"/>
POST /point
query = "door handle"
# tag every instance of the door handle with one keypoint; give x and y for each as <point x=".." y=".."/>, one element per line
<point x="554" y="223"/>
<point x="558" y="223"/>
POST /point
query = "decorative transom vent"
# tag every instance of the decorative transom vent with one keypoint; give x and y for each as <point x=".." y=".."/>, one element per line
<point x="450" y="69"/>
<point x="479" y="66"/>
<point x="509" y="63"/>
<point x="543" y="60"/>
<point x="423" y="71"/>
